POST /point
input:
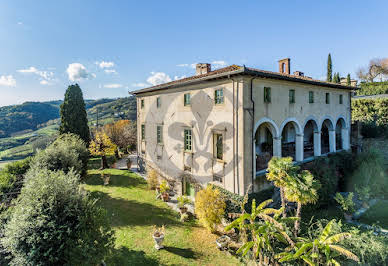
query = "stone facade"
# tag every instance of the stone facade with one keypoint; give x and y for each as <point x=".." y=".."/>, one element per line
<point x="232" y="139"/>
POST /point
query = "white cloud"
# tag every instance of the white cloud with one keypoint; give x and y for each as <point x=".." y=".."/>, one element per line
<point x="218" y="64"/>
<point x="20" y="23"/>
<point x="109" y="71"/>
<point x="77" y="71"/>
<point x="104" y="64"/>
<point x="8" y="81"/>
<point x="45" y="76"/>
<point x="181" y="77"/>
<point x="157" y="78"/>
<point x="113" y="86"/>
<point x="183" y="65"/>
<point x="140" y="85"/>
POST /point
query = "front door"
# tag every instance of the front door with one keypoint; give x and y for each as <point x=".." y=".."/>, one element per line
<point x="190" y="191"/>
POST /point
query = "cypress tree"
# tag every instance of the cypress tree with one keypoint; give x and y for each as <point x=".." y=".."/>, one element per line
<point x="73" y="114"/>
<point x="348" y="82"/>
<point x="329" y="69"/>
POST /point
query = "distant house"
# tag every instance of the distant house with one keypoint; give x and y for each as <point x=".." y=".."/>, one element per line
<point x="223" y="126"/>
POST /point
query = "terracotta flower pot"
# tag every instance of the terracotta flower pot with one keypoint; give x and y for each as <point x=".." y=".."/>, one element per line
<point x="129" y="165"/>
<point x="183" y="209"/>
<point x="165" y="197"/>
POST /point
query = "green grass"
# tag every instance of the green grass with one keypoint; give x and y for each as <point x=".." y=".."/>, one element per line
<point x="377" y="214"/>
<point x="134" y="211"/>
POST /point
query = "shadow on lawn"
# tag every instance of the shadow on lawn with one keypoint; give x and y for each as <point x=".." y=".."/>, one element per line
<point x="187" y="253"/>
<point x="124" y="212"/>
<point x="124" y="256"/>
<point x="116" y="180"/>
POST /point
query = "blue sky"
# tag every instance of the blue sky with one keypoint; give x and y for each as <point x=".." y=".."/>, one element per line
<point x="112" y="47"/>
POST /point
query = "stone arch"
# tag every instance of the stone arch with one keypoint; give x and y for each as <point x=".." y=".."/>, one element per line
<point x="274" y="128"/>
<point x="341" y="133"/>
<point x="327" y="135"/>
<point x="324" y="119"/>
<point x="311" y="138"/>
<point x="292" y="139"/>
<point x="314" y="119"/>
<point x="264" y="136"/>
<point x="295" y="123"/>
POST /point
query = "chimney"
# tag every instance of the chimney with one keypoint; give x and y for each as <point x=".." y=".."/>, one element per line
<point x="285" y="66"/>
<point x="299" y="73"/>
<point x="202" y="68"/>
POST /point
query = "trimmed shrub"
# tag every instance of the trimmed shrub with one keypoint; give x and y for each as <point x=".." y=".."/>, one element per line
<point x="12" y="173"/>
<point x="210" y="207"/>
<point x="55" y="223"/>
<point x="152" y="179"/>
<point x="373" y="88"/>
<point x="67" y="152"/>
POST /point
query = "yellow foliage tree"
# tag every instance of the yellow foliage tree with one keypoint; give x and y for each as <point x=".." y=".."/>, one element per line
<point x="102" y="146"/>
<point x="210" y="207"/>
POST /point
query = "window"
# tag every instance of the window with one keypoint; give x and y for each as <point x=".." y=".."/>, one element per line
<point x="186" y="99"/>
<point x="142" y="132"/>
<point x="219" y="96"/>
<point x="186" y="168"/>
<point x="341" y="99"/>
<point x="218" y="146"/>
<point x="291" y="96"/>
<point x="142" y="103"/>
<point x="218" y="178"/>
<point x="188" y="138"/>
<point x="158" y="102"/>
<point x="267" y="94"/>
<point x="311" y="97"/>
<point x="159" y="134"/>
<point x="327" y="98"/>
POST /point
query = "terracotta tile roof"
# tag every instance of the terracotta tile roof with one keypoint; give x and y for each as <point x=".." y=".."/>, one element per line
<point x="242" y="70"/>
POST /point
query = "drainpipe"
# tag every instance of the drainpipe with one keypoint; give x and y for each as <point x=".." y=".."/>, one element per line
<point x="234" y="161"/>
<point x="238" y="172"/>
<point x="253" y="137"/>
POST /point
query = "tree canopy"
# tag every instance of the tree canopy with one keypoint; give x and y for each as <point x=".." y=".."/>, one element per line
<point x="73" y="114"/>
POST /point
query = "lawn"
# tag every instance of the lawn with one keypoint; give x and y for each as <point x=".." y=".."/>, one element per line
<point x="377" y="214"/>
<point x="134" y="210"/>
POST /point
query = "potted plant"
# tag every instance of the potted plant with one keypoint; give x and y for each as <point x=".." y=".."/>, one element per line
<point x="129" y="163"/>
<point x="158" y="235"/>
<point x="182" y="201"/>
<point x="363" y="193"/>
<point x="164" y="189"/>
<point x="105" y="178"/>
<point x="347" y="204"/>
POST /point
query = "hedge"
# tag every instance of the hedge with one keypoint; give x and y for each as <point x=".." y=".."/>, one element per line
<point x="374" y="115"/>
<point x="373" y="88"/>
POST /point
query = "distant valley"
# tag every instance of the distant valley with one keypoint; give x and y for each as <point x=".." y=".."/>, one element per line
<point x="29" y="126"/>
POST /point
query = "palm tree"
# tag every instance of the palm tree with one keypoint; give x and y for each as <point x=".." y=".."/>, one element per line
<point x="321" y="250"/>
<point x="303" y="189"/>
<point x="282" y="171"/>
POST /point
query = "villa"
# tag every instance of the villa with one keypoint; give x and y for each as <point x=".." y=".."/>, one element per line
<point x="223" y="126"/>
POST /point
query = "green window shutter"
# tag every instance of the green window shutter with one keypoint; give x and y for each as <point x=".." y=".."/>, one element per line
<point x="218" y="146"/>
<point x="291" y="95"/>
<point x="267" y="94"/>
<point x="159" y="134"/>
<point x="327" y="98"/>
<point x="311" y="97"/>
<point x="186" y="99"/>
<point x="142" y="132"/>
<point x="341" y="100"/>
<point x="187" y="140"/>
<point x="158" y="102"/>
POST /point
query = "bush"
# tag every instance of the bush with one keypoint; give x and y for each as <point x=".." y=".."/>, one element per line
<point x="55" y="223"/>
<point x="373" y="88"/>
<point x="152" y="179"/>
<point x="12" y="173"/>
<point x="67" y="152"/>
<point x="370" y="172"/>
<point x="210" y="207"/>
<point x="233" y="201"/>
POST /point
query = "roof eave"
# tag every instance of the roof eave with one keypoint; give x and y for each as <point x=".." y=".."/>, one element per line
<point x="188" y="82"/>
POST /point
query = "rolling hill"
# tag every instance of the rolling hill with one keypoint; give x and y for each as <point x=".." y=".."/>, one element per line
<point x="30" y="126"/>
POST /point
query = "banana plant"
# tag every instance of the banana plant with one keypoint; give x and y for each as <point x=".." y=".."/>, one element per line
<point x="320" y="251"/>
<point x="265" y="231"/>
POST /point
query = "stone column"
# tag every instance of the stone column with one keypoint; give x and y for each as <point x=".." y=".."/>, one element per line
<point x="277" y="147"/>
<point x="345" y="139"/>
<point x="317" y="143"/>
<point x="332" y="140"/>
<point x="299" y="147"/>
